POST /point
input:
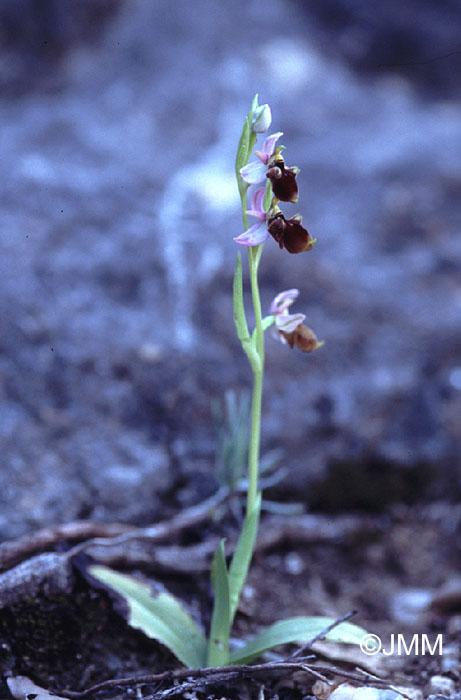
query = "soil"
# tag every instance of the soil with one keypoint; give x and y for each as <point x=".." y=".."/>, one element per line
<point x="75" y="639"/>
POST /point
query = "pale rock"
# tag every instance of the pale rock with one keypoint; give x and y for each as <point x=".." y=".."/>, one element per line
<point x="348" y="692"/>
<point x="441" y="684"/>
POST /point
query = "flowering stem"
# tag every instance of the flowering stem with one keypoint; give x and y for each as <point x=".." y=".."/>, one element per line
<point x="254" y="256"/>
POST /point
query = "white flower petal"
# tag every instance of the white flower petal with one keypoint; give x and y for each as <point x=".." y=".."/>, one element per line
<point x="283" y="300"/>
<point x="268" y="147"/>
<point x="288" y="322"/>
<point x="255" y="235"/>
<point x="253" y="173"/>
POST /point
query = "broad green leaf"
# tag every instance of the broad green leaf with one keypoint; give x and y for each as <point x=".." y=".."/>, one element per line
<point x="159" y="615"/>
<point x="240" y="563"/>
<point x="296" y="629"/>
<point x="218" y="643"/>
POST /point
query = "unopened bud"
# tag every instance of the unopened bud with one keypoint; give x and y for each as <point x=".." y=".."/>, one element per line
<point x="262" y="119"/>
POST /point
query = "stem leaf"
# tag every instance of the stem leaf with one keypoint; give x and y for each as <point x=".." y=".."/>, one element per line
<point x="240" y="563"/>
<point x="246" y="145"/>
<point x="243" y="150"/>
<point x="240" y="319"/>
<point x="239" y="309"/>
<point x="218" y="643"/>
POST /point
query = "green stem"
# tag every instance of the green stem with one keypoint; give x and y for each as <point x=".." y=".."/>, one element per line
<point x="254" y="256"/>
<point x="243" y="203"/>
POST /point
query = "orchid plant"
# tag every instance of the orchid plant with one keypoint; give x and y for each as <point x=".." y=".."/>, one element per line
<point x="262" y="184"/>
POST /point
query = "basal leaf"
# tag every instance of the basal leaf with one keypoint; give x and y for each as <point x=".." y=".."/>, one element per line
<point x="296" y="629"/>
<point x="242" y="556"/>
<point x="218" y="644"/>
<point x="159" y="615"/>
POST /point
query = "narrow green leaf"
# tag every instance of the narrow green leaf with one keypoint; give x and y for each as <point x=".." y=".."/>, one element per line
<point x="218" y="643"/>
<point x="238" y="569"/>
<point x="253" y="137"/>
<point x="243" y="152"/>
<point x="240" y="319"/>
<point x="246" y="142"/>
<point x="159" y="615"/>
<point x="239" y="309"/>
<point x="252" y="143"/>
<point x="295" y="629"/>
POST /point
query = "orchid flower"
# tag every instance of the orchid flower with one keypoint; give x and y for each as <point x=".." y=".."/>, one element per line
<point x="283" y="179"/>
<point x="289" y="233"/>
<point x="255" y="173"/>
<point x="289" y="328"/>
<point x="257" y="233"/>
<point x="285" y="322"/>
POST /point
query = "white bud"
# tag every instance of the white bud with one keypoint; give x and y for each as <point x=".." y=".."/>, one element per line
<point x="262" y="119"/>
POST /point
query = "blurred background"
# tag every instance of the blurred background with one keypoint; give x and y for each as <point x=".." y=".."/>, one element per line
<point x="119" y="125"/>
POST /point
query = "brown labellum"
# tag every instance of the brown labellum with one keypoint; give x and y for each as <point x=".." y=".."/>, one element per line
<point x="289" y="233"/>
<point x="283" y="181"/>
<point x="303" y="338"/>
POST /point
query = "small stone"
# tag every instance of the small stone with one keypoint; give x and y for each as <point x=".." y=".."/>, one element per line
<point x="150" y="352"/>
<point x="450" y="659"/>
<point x="22" y="688"/>
<point x="442" y="685"/>
<point x="348" y="692"/>
<point x="376" y="694"/>
<point x="294" y="564"/>
<point x="408" y="606"/>
<point x="411" y="693"/>
<point x="454" y="625"/>
<point x="322" y="690"/>
<point x="343" y="692"/>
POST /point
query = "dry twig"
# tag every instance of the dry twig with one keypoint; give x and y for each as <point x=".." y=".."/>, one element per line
<point x="193" y="678"/>
<point x="104" y="534"/>
<point x="299" y="653"/>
